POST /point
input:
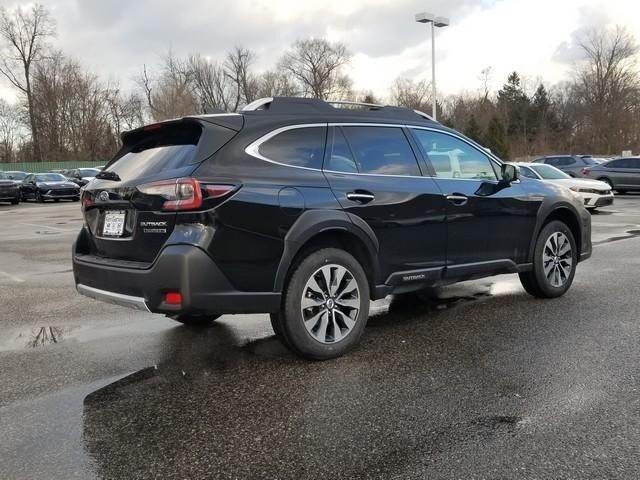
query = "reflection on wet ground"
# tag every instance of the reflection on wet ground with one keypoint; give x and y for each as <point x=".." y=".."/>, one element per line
<point x="477" y="380"/>
<point x="250" y="409"/>
<point x="44" y="336"/>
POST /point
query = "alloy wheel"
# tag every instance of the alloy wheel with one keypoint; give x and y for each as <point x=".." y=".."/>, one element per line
<point x="557" y="259"/>
<point x="330" y="303"/>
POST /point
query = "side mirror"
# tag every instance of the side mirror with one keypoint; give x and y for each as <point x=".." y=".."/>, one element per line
<point x="509" y="172"/>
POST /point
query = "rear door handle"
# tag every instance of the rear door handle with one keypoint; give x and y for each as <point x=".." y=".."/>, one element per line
<point x="361" y="196"/>
<point x="458" y="200"/>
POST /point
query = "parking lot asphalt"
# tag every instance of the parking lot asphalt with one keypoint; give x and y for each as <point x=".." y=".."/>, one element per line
<point x="482" y="382"/>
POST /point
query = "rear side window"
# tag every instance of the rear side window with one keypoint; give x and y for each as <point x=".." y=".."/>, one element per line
<point x="298" y="147"/>
<point x="382" y="151"/>
<point x="621" y="163"/>
<point x="340" y="158"/>
<point x="150" y="151"/>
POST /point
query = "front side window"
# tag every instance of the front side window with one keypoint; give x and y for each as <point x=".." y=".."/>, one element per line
<point x="454" y="158"/>
<point x="382" y="151"/>
<point x="298" y="147"/>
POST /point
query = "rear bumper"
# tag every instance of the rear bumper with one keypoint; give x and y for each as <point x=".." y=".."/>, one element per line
<point x="178" y="268"/>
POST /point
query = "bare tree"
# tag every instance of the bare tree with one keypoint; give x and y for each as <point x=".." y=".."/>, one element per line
<point x="9" y="131"/>
<point x="169" y="94"/>
<point x="125" y="110"/>
<point x="606" y="86"/>
<point x="24" y="33"/>
<point x="212" y="86"/>
<point x="72" y="108"/>
<point x="237" y="68"/>
<point x="317" y="66"/>
<point x="411" y="94"/>
<point x="274" y="83"/>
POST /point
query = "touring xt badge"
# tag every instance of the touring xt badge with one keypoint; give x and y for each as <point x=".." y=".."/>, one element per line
<point x="154" y="227"/>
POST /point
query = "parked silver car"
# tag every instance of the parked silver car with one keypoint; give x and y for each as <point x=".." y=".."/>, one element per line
<point x="572" y="165"/>
<point x="622" y="174"/>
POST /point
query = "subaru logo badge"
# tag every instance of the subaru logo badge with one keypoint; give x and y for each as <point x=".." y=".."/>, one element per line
<point x="103" y="196"/>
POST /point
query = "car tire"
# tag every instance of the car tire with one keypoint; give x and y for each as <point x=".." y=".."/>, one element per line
<point x="38" y="197"/>
<point x="195" y="320"/>
<point x="607" y="181"/>
<point x="15" y="201"/>
<point x="315" y="312"/>
<point x="554" y="266"/>
<point x="56" y="200"/>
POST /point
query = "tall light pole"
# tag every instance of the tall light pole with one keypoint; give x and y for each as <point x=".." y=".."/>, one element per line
<point x="425" y="17"/>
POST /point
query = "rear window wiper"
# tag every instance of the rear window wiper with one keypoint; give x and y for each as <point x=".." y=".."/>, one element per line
<point x="108" y="176"/>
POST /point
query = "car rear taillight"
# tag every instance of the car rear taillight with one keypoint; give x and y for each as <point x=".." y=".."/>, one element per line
<point x="586" y="170"/>
<point x="184" y="193"/>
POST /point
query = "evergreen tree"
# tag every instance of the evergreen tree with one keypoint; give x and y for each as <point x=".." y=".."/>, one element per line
<point x="496" y="138"/>
<point x="473" y="130"/>
<point x="514" y="104"/>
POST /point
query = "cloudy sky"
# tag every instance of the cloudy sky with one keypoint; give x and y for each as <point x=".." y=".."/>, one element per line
<point x="114" y="38"/>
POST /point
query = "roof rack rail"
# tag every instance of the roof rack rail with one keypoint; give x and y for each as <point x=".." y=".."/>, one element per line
<point x="359" y="104"/>
<point x="257" y="104"/>
<point x="300" y="105"/>
<point x="425" y="115"/>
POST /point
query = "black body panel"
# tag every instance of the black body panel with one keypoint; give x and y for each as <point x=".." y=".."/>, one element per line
<point x="235" y="255"/>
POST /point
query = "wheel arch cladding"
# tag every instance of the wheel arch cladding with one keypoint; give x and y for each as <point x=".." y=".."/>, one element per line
<point x="328" y="228"/>
<point x="566" y="216"/>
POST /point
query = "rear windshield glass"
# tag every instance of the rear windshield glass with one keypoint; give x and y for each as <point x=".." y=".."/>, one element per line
<point x="148" y="152"/>
<point x="589" y="161"/>
<point x="3" y="176"/>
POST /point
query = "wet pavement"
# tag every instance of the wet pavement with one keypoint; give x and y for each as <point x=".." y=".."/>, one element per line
<point x="481" y="381"/>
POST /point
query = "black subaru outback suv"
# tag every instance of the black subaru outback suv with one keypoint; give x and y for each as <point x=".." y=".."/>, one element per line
<point x="307" y="211"/>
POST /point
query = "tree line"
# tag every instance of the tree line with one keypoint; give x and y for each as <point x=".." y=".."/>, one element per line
<point x="64" y="112"/>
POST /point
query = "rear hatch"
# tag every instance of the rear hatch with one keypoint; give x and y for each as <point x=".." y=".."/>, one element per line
<point x="123" y="209"/>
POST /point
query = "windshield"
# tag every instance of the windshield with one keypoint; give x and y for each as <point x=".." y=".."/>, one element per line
<point x="50" y="177"/>
<point x="88" y="172"/>
<point x="548" y="172"/>
<point x="16" y="175"/>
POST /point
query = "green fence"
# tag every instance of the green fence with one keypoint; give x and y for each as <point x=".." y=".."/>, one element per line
<point x="38" y="167"/>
